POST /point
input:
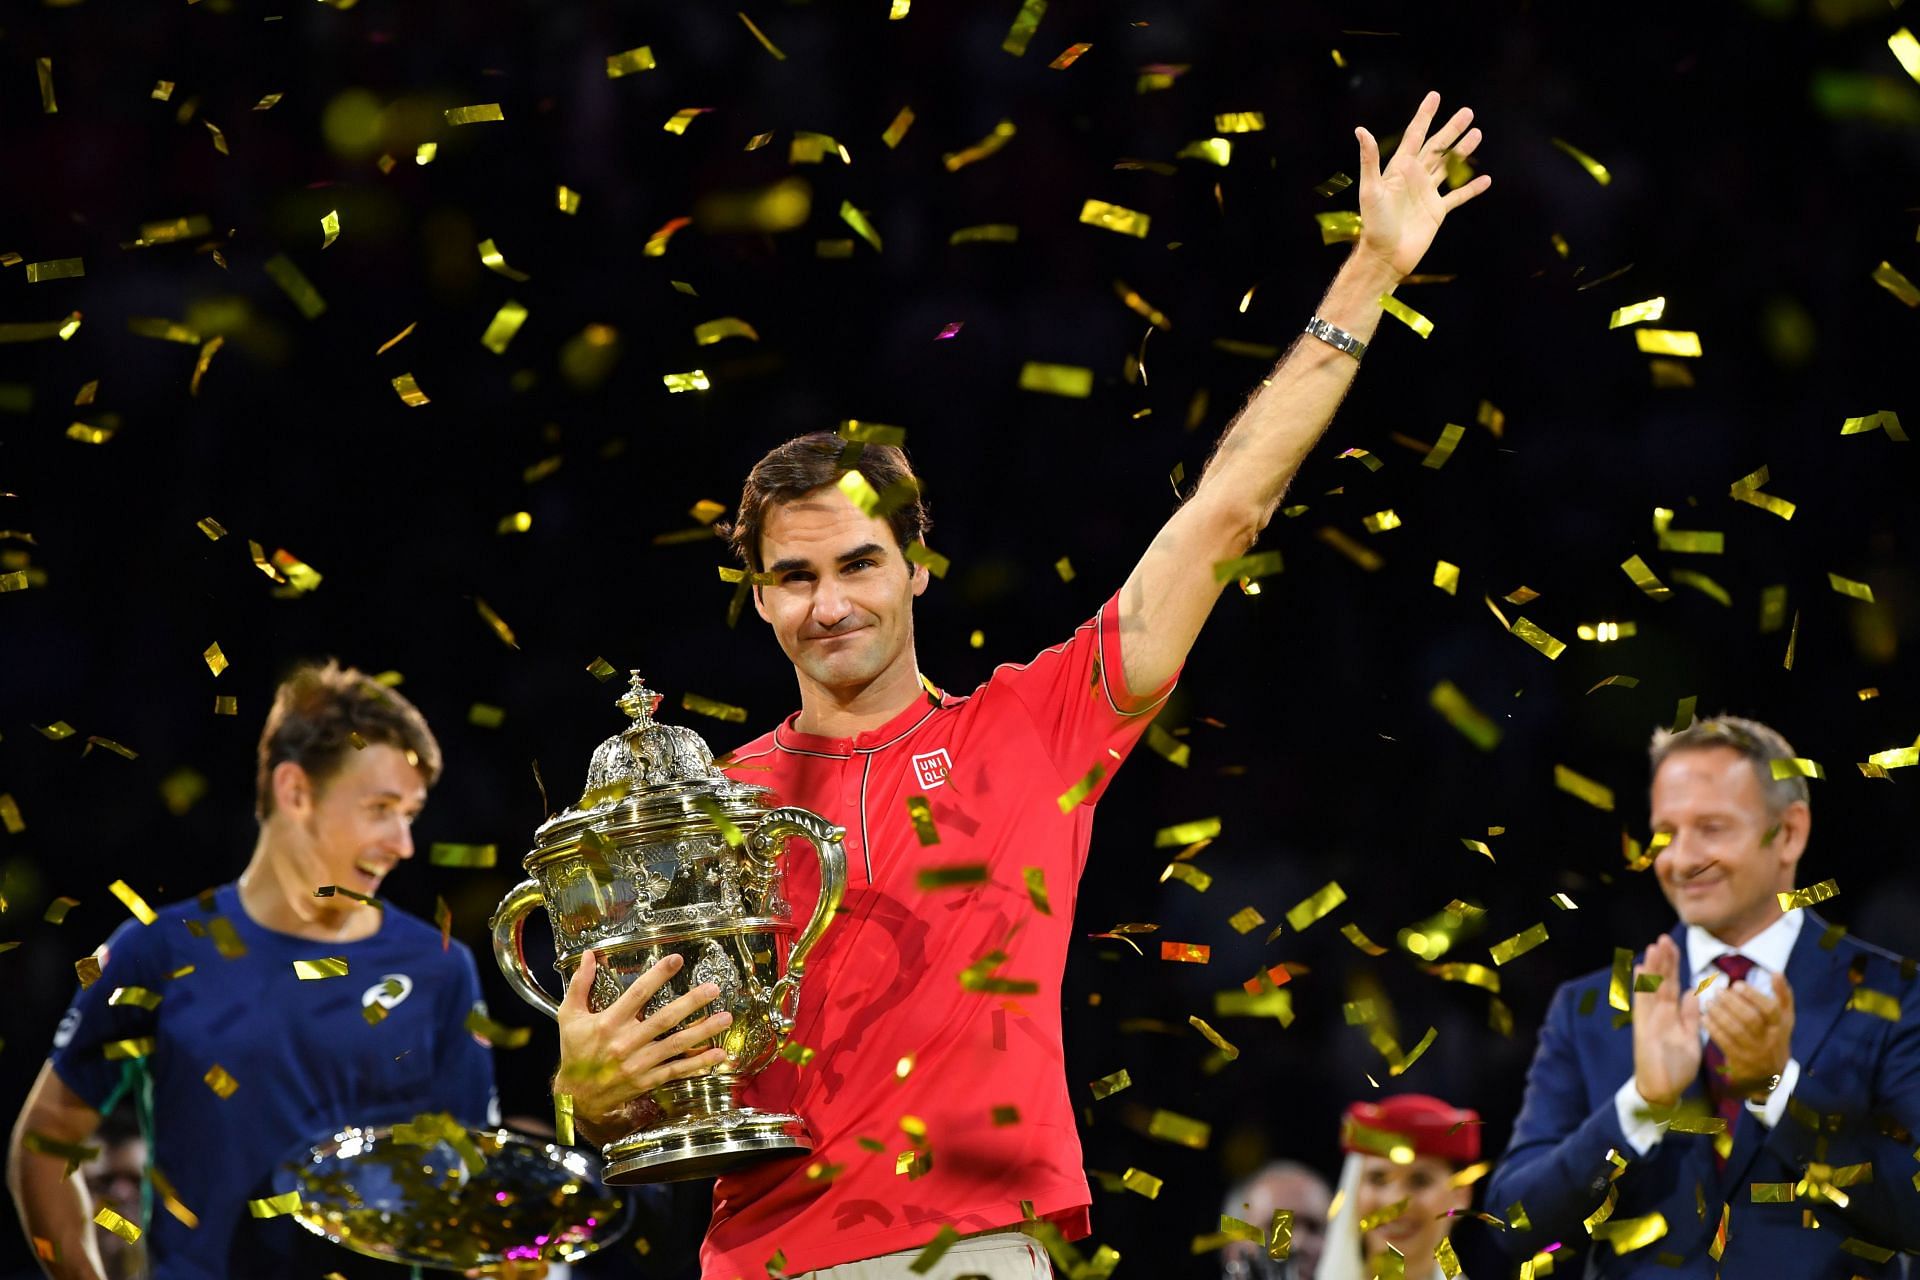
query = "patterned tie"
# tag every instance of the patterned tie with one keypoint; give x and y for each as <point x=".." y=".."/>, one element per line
<point x="1727" y="1102"/>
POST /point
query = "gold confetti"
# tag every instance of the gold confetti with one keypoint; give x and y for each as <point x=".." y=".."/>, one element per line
<point x="920" y="813"/>
<point x="1187" y="874"/>
<point x="1129" y="222"/>
<point x="1073" y="381"/>
<point x="709" y="707"/>
<point x="1069" y="55"/>
<point x="1593" y="167"/>
<point x="495" y="621"/>
<point x="1406" y="315"/>
<point x="409" y="391"/>
<point x="1667" y="342"/>
<point x="1246" y="920"/>
<point x="1218" y="1041"/>
<point x="226" y="705"/>
<point x="132" y="901"/>
<point x="219" y="138"/>
<point x="108" y="1218"/>
<point x="677" y="123"/>
<point x="1809" y="896"/>
<point x="1315" y="905"/>
<point x="1634" y="313"/>
<point x="1260" y="564"/>
<point x="1186" y="952"/>
<point x="495" y="261"/>
<point x="494" y="1034"/>
<point x="1080" y="790"/>
<point x="1643" y="577"/>
<point x="325" y="967"/>
<point x="500" y="330"/>
<point x="1333" y="186"/>
<point x="1539" y="639"/>
<point x="1338" y="226"/>
<point x="948" y="877"/>
<point x="1628" y="1234"/>
<point x="1886" y="420"/>
<point x="1185" y="833"/>
<point x="1848" y="587"/>
<point x="1907" y="50"/>
<point x="10" y="818"/>
<point x="55" y="269"/>
<point x="462" y="855"/>
<point x="1472" y="723"/>
<point x="479" y="113"/>
<point x="1877" y="1003"/>
<point x="275" y="1206"/>
<point x="1170" y="1126"/>
<point x="282" y="271"/>
<point x="1002" y="134"/>
<point x="1106" y="1086"/>
<point x="1357" y="936"/>
<point x="1796" y="767"/>
<point x="1215" y="151"/>
<point x="1888" y="277"/>
<point x="329" y="227"/>
<point x="1025" y="23"/>
<point x="921" y="554"/>
<point x="1450" y="437"/>
<point x="1381" y="521"/>
<point x="1584" y="788"/>
<point x="713" y="331"/>
<point x="425" y="152"/>
<point x="1519" y="944"/>
<point x="761" y="36"/>
<point x="1240" y="122"/>
<point x="567" y="200"/>
<point x="35" y="331"/>
<point x="629" y="62"/>
<point x="124" y="1050"/>
<point x="694" y="380"/>
<point x="221" y="1081"/>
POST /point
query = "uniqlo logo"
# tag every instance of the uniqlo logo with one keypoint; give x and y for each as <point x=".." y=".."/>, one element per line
<point x="932" y="767"/>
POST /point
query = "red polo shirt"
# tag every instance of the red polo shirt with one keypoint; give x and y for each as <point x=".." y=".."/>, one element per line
<point x="883" y="991"/>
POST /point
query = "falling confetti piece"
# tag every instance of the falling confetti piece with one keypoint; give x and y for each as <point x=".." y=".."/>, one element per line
<point x="1128" y="222"/>
<point x="567" y="200"/>
<point x="505" y="323"/>
<point x="1025" y="23"/>
<point x="629" y="62"/>
<point x="1519" y="944"/>
<point x="409" y="391"/>
<point x="118" y="1225"/>
<point x="275" y="1206"/>
<point x="1170" y="1126"/>
<point x="329" y="228"/>
<point x="480" y="113"/>
<point x="1072" y="381"/>
<point x="1338" y="227"/>
<point x="761" y="36"/>
<point x="1643" y="577"/>
<point x="325" y="967"/>
<point x="1903" y="44"/>
<point x="281" y="269"/>
<point x="693" y="380"/>
<point x="494" y="1034"/>
<point x="1406" y="315"/>
<point x="132" y="901"/>
<point x="1583" y="788"/>
<point x="221" y="1081"/>
<point x="1316" y="905"/>
<point x="1634" y="313"/>
<point x="55" y="269"/>
<point x="1069" y="56"/>
<point x="219" y="138"/>
<point x="1593" y="167"/>
<point x="496" y="262"/>
<point x="1888" y="277"/>
<point x="477" y="856"/>
<point x="1538" y="638"/>
<point x="1795" y="899"/>
<point x="1848" y="587"/>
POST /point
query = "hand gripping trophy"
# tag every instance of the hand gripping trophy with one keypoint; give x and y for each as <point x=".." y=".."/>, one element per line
<point x="664" y="853"/>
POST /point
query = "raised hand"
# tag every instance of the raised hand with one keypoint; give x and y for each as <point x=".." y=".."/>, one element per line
<point x="1666" y="1029"/>
<point x="1401" y="207"/>
<point x="1755" y="1032"/>
<point x="609" y="1058"/>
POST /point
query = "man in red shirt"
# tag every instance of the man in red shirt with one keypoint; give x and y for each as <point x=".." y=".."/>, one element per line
<point x="936" y="1092"/>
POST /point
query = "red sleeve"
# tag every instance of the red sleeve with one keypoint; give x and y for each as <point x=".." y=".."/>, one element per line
<point x="1077" y="697"/>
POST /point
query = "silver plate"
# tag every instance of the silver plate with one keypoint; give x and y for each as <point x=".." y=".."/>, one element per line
<point x="421" y="1204"/>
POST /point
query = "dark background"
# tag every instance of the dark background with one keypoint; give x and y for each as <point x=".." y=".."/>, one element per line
<point x="1763" y="161"/>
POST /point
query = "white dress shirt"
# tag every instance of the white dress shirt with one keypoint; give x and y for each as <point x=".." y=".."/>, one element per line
<point x="1768" y="950"/>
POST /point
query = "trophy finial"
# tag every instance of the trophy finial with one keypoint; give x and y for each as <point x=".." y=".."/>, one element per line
<point x="639" y="702"/>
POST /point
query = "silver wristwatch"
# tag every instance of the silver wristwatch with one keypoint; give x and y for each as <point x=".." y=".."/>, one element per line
<point x="1336" y="337"/>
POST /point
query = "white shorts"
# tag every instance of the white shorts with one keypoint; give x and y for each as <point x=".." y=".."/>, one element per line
<point x="999" y="1255"/>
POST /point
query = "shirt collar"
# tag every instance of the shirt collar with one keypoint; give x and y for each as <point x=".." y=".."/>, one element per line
<point x="909" y="717"/>
<point x="1770" y="949"/>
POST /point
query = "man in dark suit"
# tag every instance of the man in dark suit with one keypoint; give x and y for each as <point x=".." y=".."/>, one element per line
<point x="1754" y="1113"/>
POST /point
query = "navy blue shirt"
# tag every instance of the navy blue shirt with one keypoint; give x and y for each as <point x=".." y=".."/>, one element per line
<point x="303" y="1054"/>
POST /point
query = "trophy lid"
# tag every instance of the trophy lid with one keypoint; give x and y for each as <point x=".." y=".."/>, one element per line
<point x="648" y="760"/>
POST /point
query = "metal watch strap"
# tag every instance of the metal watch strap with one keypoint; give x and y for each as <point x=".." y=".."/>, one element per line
<point x="1336" y="337"/>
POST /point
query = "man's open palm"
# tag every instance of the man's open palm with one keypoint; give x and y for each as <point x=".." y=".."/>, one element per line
<point x="1666" y="1029"/>
<point x="1401" y="207"/>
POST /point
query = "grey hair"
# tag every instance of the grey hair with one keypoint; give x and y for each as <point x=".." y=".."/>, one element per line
<point x="1759" y="743"/>
<point x="1242" y="1191"/>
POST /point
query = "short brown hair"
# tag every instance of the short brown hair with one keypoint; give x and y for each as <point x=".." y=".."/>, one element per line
<point x="1761" y="744"/>
<point x="318" y="711"/>
<point x="815" y="461"/>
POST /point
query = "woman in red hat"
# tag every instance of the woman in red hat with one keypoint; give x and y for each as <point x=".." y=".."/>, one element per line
<point x="1406" y="1148"/>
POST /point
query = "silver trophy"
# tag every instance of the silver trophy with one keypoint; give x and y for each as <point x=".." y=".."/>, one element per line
<point x="664" y="853"/>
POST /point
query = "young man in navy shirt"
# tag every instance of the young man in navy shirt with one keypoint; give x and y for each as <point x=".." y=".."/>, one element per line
<point x="203" y="1016"/>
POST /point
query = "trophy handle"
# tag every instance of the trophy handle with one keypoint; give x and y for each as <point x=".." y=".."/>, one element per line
<point x="509" y="923"/>
<point x="829" y="846"/>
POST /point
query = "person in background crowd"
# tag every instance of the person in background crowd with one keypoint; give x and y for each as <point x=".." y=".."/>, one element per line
<point x="1283" y="1184"/>
<point x="1404" y="1157"/>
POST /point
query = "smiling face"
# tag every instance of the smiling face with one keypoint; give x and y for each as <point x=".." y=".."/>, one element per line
<point x="840" y="599"/>
<point x="357" y="824"/>
<point x="1728" y="855"/>
<point x="1426" y="1187"/>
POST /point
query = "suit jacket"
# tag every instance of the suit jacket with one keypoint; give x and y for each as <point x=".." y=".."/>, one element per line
<point x="1857" y="1101"/>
